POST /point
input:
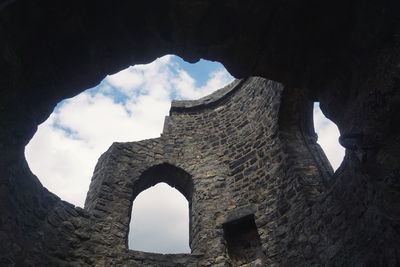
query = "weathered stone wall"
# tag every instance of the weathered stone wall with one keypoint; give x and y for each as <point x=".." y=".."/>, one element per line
<point x="344" y="54"/>
<point x="247" y="160"/>
<point x="230" y="155"/>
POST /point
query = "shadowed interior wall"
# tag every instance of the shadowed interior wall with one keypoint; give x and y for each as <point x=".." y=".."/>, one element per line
<point x="344" y="54"/>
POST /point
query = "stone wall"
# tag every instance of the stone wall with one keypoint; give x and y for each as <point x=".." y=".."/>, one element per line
<point x="260" y="190"/>
<point x="238" y="158"/>
<point x="344" y="54"/>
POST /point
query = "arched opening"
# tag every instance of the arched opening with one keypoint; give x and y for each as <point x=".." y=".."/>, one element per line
<point x="126" y="106"/>
<point x="160" y="221"/>
<point x="328" y="137"/>
<point x="158" y="180"/>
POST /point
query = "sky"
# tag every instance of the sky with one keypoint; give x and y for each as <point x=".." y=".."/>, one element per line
<point x="129" y="106"/>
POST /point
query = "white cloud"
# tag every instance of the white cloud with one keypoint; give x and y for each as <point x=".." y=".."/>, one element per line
<point x="126" y="80"/>
<point x="64" y="162"/>
<point x="186" y="85"/>
<point x="141" y="77"/>
<point x="61" y="162"/>
<point x="328" y="137"/>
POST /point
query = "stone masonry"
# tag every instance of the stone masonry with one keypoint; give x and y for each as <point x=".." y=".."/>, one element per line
<point x="248" y="166"/>
<point x="294" y="212"/>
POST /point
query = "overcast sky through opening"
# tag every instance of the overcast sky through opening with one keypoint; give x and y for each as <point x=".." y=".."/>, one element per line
<point x="130" y="106"/>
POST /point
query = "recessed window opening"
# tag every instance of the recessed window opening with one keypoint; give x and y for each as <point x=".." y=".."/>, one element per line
<point x="328" y="137"/>
<point x="243" y="241"/>
<point x="127" y="106"/>
<point x="160" y="221"/>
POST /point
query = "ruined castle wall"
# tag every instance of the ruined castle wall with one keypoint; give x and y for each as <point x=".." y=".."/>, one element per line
<point x="250" y="168"/>
<point x="343" y="54"/>
<point x="225" y="154"/>
<point x="260" y="191"/>
<point x="247" y="161"/>
<point x="236" y="142"/>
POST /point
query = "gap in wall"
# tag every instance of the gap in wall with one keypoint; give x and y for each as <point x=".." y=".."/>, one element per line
<point x="328" y="137"/>
<point x="160" y="221"/>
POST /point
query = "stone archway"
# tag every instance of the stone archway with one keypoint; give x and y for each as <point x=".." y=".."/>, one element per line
<point x="110" y="200"/>
<point x="167" y="173"/>
<point x="173" y="176"/>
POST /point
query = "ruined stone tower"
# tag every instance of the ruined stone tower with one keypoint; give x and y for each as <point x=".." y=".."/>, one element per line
<point x="343" y="54"/>
<point x="248" y="169"/>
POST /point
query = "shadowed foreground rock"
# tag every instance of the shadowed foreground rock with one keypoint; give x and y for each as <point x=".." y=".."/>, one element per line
<point x="294" y="211"/>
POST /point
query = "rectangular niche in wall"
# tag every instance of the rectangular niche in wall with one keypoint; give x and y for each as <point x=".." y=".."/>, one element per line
<point x="242" y="240"/>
